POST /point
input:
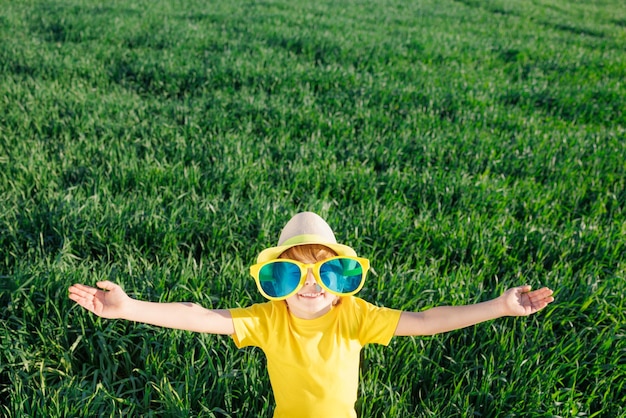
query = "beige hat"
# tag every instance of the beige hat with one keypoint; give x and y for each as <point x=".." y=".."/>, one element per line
<point x="305" y="228"/>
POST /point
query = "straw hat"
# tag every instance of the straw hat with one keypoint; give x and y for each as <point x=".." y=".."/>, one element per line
<point x="305" y="228"/>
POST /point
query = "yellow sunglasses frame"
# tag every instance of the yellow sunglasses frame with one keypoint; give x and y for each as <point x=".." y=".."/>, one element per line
<point x="315" y="268"/>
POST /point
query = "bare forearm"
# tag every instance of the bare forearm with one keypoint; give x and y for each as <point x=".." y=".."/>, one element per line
<point x="447" y="318"/>
<point x="180" y="315"/>
<point x="516" y="301"/>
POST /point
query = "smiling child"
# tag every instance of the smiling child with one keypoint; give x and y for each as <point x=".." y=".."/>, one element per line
<point x="313" y="327"/>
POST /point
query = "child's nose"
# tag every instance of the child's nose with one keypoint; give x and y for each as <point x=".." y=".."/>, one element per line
<point x="310" y="278"/>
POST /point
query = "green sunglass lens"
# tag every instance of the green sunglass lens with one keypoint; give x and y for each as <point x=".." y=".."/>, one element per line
<point x="342" y="275"/>
<point x="279" y="279"/>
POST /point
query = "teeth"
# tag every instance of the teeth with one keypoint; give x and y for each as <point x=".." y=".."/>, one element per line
<point x="310" y="295"/>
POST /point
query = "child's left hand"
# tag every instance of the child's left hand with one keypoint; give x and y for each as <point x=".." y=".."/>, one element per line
<point x="521" y="301"/>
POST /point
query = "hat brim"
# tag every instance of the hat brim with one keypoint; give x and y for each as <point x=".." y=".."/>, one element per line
<point x="273" y="253"/>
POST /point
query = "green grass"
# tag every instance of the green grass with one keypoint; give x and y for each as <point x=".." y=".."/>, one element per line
<point x="464" y="147"/>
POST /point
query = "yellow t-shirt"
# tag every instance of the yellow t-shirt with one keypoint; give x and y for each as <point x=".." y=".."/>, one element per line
<point x="313" y="365"/>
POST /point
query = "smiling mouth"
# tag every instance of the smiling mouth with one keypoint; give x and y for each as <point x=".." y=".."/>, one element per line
<point x="311" y="295"/>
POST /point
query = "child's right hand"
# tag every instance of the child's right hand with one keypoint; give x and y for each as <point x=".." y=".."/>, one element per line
<point x="108" y="303"/>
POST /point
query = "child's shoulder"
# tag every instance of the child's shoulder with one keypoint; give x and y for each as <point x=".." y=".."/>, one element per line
<point x="264" y="308"/>
<point x="358" y="304"/>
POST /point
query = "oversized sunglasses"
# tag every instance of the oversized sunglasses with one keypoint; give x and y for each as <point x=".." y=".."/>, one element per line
<point x="282" y="278"/>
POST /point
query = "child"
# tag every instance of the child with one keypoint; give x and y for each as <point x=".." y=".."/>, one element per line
<point x="313" y="328"/>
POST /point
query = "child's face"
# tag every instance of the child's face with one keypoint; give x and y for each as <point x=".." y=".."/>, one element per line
<point x="311" y="301"/>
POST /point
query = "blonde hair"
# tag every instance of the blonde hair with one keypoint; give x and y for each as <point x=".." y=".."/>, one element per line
<point x="310" y="253"/>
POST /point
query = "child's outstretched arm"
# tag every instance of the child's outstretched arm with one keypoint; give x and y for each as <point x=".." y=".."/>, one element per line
<point x="110" y="301"/>
<point x="518" y="301"/>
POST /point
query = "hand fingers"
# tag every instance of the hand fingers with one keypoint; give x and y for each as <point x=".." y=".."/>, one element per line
<point x="82" y="297"/>
<point x="540" y="298"/>
<point x="81" y="300"/>
<point x="82" y="290"/>
<point x="540" y="294"/>
<point x="106" y="285"/>
<point x="535" y="294"/>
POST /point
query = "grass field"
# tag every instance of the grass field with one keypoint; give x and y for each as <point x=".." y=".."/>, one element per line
<point x="463" y="146"/>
